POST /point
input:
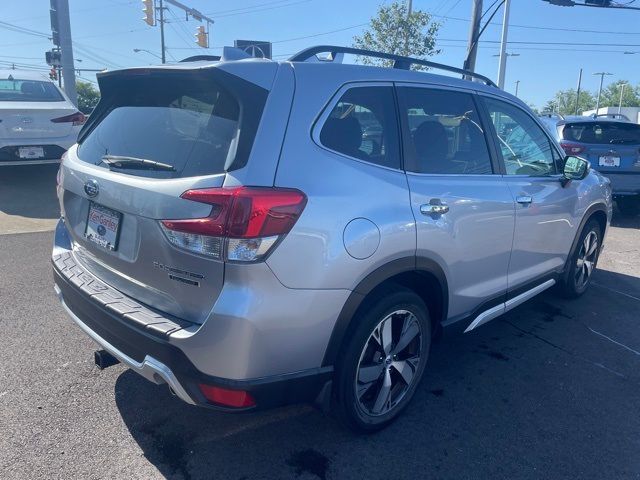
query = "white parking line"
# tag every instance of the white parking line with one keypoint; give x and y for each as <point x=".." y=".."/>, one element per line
<point x="615" y="291"/>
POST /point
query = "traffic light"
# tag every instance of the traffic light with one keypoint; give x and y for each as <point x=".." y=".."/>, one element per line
<point x="149" y="14"/>
<point x="202" y="37"/>
<point x="53" y="74"/>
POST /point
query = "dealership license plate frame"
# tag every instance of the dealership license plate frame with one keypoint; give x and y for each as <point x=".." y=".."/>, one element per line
<point x="91" y="227"/>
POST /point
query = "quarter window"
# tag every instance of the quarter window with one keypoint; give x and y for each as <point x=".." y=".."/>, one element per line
<point x="525" y="148"/>
<point x="444" y="135"/>
<point x="363" y="125"/>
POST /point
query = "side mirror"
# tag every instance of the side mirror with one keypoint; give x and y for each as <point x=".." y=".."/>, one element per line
<point x="575" y="168"/>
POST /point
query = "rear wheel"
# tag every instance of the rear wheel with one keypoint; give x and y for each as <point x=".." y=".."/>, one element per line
<point x="383" y="362"/>
<point x="629" y="206"/>
<point x="583" y="261"/>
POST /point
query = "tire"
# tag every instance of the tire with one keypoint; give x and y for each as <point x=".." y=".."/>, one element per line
<point x="583" y="261"/>
<point x="629" y="206"/>
<point x="363" y="399"/>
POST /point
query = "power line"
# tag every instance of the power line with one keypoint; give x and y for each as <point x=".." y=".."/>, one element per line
<point x="535" y="27"/>
<point x="249" y="7"/>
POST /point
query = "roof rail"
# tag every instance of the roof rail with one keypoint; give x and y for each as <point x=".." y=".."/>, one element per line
<point x="399" y="61"/>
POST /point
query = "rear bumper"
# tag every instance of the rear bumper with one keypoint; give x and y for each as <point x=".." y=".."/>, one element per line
<point x="146" y="340"/>
<point x="151" y="355"/>
<point x="9" y="153"/>
<point x="623" y="184"/>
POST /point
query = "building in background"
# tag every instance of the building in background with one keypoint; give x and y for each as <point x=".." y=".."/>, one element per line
<point x="632" y="113"/>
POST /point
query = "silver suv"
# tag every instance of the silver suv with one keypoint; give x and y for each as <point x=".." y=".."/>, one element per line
<point x="255" y="233"/>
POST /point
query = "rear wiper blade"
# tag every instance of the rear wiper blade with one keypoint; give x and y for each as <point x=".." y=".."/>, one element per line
<point x="117" y="161"/>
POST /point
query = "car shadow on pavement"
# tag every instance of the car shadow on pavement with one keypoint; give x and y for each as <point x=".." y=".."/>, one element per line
<point x="535" y="394"/>
<point x="29" y="191"/>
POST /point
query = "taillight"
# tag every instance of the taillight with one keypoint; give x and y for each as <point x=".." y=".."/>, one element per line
<point x="77" y="118"/>
<point x="572" y="148"/>
<point x="243" y="225"/>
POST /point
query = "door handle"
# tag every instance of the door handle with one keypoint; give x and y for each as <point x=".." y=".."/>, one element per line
<point x="524" y="199"/>
<point x="434" y="208"/>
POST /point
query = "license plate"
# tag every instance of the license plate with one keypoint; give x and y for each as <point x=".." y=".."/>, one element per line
<point x="103" y="226"/>
<point x="31" y="152"/>
<point x="609" y="161"/>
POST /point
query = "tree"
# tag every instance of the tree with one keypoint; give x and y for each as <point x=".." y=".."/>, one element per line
<point x="393" y="31"/>
<point x="564" y="102"/>
<point x="611" y="95"/>
<point x="88" y="96"/>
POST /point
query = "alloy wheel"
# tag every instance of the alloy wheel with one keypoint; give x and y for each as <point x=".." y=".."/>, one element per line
<point x="388" y="363"/>
<point x="586" y="261"/>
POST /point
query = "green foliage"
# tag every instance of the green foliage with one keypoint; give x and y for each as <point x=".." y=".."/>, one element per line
<point x="611" y="95"/>
<point x="392" y="31"/>
<point x="88" y="96"/>
<point x="564" y="101"/>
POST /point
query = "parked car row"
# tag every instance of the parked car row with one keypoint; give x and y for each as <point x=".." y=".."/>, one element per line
<point x="612" y="145"/>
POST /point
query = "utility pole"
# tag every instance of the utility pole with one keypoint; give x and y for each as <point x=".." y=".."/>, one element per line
<point x="154" y="13"/>
<point x="602" y="74"/>
<point x="517" y="86"/>
<point x="578" y="92"/>
<point x="474" y="34"/>
<point x="162" y="46"/>
<point x="503" y="45"/>
<point x="406" y="33"/>
<point x="61" y="35"/>
<point x="622" y="85"/>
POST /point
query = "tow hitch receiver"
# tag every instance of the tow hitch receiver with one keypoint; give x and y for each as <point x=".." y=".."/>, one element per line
<point x="104" y="359"/>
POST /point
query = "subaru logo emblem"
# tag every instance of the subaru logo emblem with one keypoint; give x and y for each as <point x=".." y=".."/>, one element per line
<point x="91" y="188"/>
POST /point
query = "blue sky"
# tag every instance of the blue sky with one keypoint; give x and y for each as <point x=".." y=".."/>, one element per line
<point x="552" y="41"/>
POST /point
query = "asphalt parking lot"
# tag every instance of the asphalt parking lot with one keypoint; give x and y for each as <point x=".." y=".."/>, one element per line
<point x="551" y="390"/>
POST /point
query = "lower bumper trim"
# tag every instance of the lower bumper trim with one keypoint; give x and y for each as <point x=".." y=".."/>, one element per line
<point x="150" y="368"/>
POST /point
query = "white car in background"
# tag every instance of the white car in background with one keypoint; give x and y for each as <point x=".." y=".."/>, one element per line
<point x="38" y="123"/>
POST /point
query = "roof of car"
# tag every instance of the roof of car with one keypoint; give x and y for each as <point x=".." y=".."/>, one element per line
<point x="590" y="118"/>
<point x="24" y="75"/>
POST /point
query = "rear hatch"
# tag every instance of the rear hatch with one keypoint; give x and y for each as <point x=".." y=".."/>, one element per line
<point x="611" y="147"/>
<point x="32" y="109"/>
<point x="156" y="134"/>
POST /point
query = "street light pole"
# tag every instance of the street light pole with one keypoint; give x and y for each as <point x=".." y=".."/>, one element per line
<point x="578" y="91"/>
<point x="602" y="74"/>
<point x="503" y="45"/>
<point x="517" y="86"/>
<point x="622" y="85"/>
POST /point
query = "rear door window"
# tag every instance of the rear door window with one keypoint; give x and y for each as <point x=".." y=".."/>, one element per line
<point x="610" y="133"/>
<point x="190" y="122"/>
<point x="445" y="135"/>
<point x="363" y="125"/>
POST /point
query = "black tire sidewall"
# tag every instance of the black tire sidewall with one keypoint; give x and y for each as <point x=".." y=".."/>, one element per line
<point x="366" y="321"/>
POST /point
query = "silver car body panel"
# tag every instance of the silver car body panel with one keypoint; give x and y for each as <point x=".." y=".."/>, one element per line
<point x="278" y="316"/>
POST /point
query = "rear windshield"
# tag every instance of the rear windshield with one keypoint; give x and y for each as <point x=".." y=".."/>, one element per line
<point x="191" y="122"/>
<point x="28" y="91"/>
<point x="602" y="133"/>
